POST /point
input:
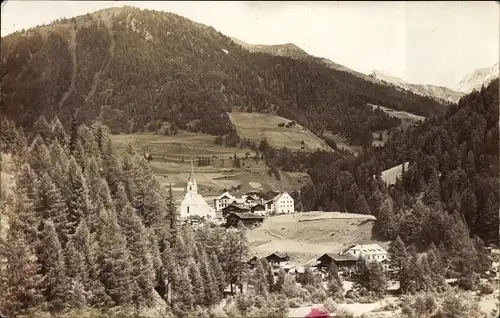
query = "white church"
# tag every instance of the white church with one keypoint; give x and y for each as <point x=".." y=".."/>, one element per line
<point x="193" y="203"/>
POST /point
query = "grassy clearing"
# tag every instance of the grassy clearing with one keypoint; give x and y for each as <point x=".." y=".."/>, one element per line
<point x="172" y="156"/>
<point x="305" y="236"/>
<point x="390" y="176"/>
<point x="342" y="143"/>
<point x="404" y="116"/>
<point x="255" y="126"/>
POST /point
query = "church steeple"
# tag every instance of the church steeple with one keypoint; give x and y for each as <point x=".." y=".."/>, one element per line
<point x="192" y="186"/>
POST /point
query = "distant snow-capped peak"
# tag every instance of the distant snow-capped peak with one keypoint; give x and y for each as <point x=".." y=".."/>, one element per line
<point x="478" y="78"/>
<point x="386" y="77"/>
<point x="433" y="91"/>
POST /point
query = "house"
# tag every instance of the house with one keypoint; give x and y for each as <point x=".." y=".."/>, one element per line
<point x="193" y="203"/>
<point x="234" y="208"/>
<point x="269" y="206"/>
<point x="251" y="200"/>
<point x="259" y="209"/>
<point x="370" y="252"/>
<point x="223" y="201"/>
<point x="345" y="263"/>
<point x="247" y="218"/>
<point x="283" y="203"/>
<point x="278" y="258"/>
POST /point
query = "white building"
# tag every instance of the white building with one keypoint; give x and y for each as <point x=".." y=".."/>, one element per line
<point x="370" y="252"/>
<point x="283" y="203"/>
<point x="193" y="203"/>
<point x="223" y="201"/>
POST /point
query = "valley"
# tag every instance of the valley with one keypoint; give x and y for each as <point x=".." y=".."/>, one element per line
<point x="172" y="155"/>
<point x="283" y="166"/>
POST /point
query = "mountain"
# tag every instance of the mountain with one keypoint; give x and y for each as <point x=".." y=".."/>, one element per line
<point x="478" y="78"/>
<point x="293" y="51"/>
<point x="288" y="49"/>
<point x="438" y="92"/>
<point x="138" y="69"/>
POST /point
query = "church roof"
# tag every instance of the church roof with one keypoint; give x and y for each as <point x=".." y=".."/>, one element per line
<point x="194" y="199"/>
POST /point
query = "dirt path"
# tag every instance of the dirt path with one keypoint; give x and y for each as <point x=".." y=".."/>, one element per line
<point x="72" y="48"/>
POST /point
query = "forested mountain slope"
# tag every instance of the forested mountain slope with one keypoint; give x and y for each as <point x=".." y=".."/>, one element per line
<point x="136" y="68"/>
<point x="453" y="173"/>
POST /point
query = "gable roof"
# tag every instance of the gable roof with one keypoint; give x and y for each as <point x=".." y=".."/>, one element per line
<point x="276" y="198"/>
<point x="237" y="206"/>
<point x="279" y="254"/>
<point x="225" y="194"/>
<point x="367" y="248"/>
<point x="339" y="257"/>
<point x="247" y="216"/>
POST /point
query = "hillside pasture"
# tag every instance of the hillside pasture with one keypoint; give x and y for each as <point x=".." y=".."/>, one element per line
<point x="404" y="116"/>
<point x="255" y="126"/>
<point x="390" y="175"/>
<point x="342" y="143"/>
<point x="171" y="162"/>
<point x="306" y="236"/>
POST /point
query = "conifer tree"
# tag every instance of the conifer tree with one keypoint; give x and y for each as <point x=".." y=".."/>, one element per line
<point x="50" y="205"/>
<point x="172" y="215"/>
<point x="183" y="296"/>
<point x="141" y="263"/>
<point x="92" y="176"/>
<point x="54" y="279"/>
<point x="121" y="199"/>
<point x="39" y="156"/>
<point x="269" y="274"/>
<point x="334" y="284"/>
<point x="59" y="132"/>
<point x="76" y="268"/>
<point x="259" y="281"/>
<point x="197" y="283"/>
<point x="78" y="202"/>
<point x="378" y="281"/>
<point x="397" y="251"/>
<point x="218" y="273"/>
<point x="21" y="276"/>
<point x="280" y="280"/>
<point x="209" y="281"/>
<point x="172" y="273"/>
<point x="114" y="260"/>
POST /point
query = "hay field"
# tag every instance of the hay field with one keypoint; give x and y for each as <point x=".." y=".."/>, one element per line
<point x="390" y="175"/>
<point x="255" y="126"/>
<point x="404" y="116"/>
<point x="172" y="157"/>
<point x="305" y="236"/>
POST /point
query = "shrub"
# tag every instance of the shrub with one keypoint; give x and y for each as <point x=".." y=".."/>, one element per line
<point x="486" y="289"/>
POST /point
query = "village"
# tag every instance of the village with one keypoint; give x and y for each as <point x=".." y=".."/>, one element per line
<point x="253" y="208"/>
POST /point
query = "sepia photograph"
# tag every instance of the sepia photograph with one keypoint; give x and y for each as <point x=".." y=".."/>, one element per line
<point x="282" y="159"/>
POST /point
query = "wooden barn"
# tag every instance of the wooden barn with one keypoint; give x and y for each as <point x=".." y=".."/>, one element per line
<point x="278" y="258"/>
<point x="247" y="218"/>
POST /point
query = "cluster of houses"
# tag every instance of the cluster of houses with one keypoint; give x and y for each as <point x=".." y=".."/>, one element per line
<point x="346" y="260"/>
<point x="251" y="209"/>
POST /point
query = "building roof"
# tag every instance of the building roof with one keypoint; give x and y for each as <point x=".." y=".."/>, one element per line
<point x="276" y="198"/>
<point x="225" y="194"/>
<point x="340" y="257"/>
<point x="279" y="254"/>
<point x="367" y="248"/>
<point x="194" y="199"/>
<point x="247" y="216"/>
<point x="259" y="206"/>
<point x="239" y="207"/>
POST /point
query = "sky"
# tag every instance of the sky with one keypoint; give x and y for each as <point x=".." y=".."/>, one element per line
<point x="421" y="42"/>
